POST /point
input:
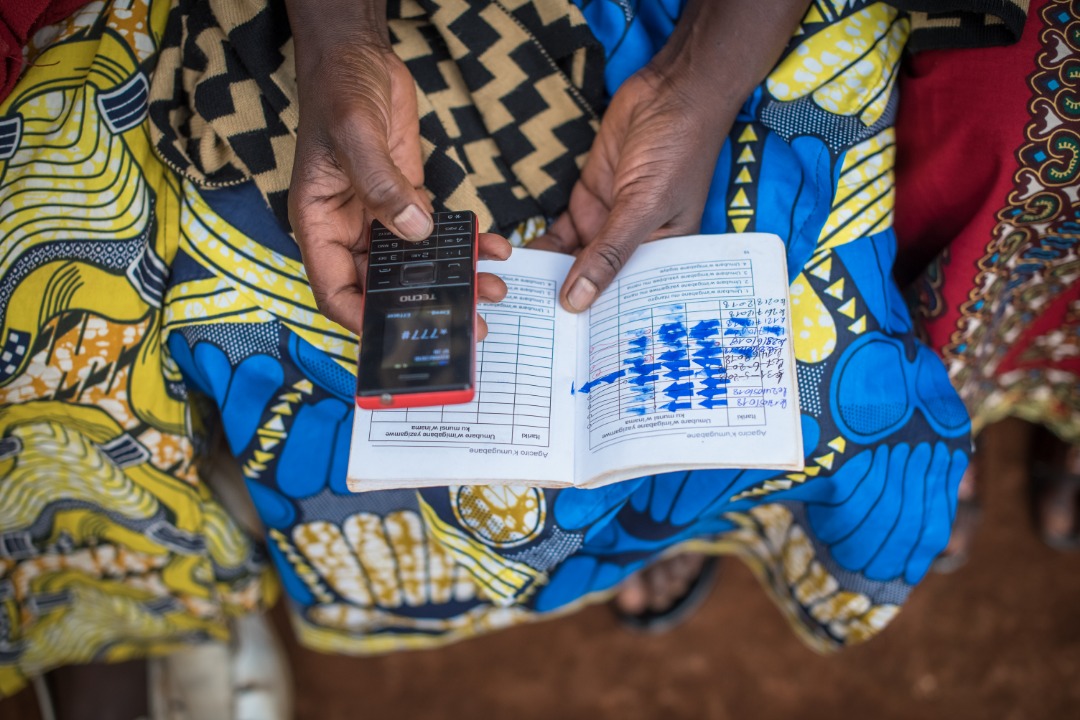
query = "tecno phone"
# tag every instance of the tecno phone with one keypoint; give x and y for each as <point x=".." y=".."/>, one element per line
<point x="418" y="345"/>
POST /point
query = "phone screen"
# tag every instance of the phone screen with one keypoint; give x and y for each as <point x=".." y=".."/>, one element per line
<point x="417" y="338"/>
<point x="418" y="345"/>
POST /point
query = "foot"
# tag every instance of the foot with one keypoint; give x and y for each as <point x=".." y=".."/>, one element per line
<point x="1056" y="482"/>
<point x="665" y="593"/>
<point x="956" y="553"/>
<point x="248" y="679"/>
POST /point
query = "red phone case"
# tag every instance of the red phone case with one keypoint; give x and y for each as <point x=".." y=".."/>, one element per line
<point x="443" y="397"/>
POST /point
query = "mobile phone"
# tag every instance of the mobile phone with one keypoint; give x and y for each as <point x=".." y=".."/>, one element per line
<point x="418" y="344"/>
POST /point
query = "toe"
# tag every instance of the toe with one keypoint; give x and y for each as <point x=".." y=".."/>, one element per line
<point x="632" y="598"/>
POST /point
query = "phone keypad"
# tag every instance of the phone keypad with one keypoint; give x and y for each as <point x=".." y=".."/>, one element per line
<point x="444" y="258"/>
<point x="418" y="273"/>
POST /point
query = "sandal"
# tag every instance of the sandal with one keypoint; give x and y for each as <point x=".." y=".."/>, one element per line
<point x="1055" y="489"/>
<point x="661" y="621"/>
<point x="247" y="678"/>
<point x="965" y="523"/>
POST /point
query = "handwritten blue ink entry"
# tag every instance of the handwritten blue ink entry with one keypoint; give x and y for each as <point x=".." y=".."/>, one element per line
<point x="676" y="361"/>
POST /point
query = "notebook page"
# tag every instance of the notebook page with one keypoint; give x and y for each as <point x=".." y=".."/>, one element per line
<point x="688" y="362"/>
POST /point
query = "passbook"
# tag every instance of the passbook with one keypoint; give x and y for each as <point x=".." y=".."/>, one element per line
<point x="685" y="362"/>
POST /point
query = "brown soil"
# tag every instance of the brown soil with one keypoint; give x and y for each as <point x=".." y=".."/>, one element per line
<point x="998" y="639"/>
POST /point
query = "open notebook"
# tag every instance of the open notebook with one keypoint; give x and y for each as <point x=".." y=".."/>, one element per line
<point x="684" y="362"/>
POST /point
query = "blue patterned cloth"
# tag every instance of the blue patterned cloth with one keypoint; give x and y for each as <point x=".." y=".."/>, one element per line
<point x="839" y="546"/>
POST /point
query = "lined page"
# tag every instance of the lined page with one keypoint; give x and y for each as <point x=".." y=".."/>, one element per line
<point x="689" y="362"/>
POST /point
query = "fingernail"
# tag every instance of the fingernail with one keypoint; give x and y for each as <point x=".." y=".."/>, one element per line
<point x="413" y="223"/>
<point x="581" y="294"/>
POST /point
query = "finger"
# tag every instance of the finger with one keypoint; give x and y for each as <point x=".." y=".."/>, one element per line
<point x="329" y="239"/>
<point x="494" y="247"/>
<point x="364" y="155"/>
<point x="362" y="267"/>
<point x="588" y="210"/>
<point x="335" y="283"/>
<point x="632" y="220"/>
<point x="559" y="237"/>
<point x="490" y="288"/>
<point x="481" y="328"/>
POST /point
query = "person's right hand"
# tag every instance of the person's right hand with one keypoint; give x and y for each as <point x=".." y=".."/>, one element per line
<point x="358" y="159"/>
<point x="648" y="172"/>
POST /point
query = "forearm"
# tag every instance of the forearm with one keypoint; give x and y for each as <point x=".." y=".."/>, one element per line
<point x="315" y="23"/>
<point x="721" y="50"/>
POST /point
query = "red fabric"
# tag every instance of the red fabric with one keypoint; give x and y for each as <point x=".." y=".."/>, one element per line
<point x="963" y="119"/>
<point x="19" y="20"/>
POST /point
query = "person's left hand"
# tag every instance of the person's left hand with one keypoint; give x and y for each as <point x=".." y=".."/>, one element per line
<point x="358" y="158"/>
<point x="647" y="176"/>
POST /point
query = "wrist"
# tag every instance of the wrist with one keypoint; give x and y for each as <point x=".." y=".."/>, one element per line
<point x="721" y="50"/>
<point x="696" y="63"/>
<point x="710" y="108"/>
<point x="324" y="23"/>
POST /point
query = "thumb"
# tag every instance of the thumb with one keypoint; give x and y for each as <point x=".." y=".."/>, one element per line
<point x="628" y="225"/>
<point x="383" y="189"/>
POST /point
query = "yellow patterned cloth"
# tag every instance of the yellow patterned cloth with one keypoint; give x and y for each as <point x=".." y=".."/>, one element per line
<point x="110" y="546"/>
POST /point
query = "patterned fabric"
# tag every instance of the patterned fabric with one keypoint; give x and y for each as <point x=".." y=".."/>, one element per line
<point x="507" y="93"/>
<point x="1002" y="302"/>
<point x="839" y="546"/>
<point x="810" y="158"/>
<point x="963" y="23"/>
<point x="110" y="546"/>
<point x="19" y="20"/>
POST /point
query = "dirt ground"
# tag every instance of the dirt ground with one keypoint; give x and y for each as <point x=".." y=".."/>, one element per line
<point x="998" y="639"/>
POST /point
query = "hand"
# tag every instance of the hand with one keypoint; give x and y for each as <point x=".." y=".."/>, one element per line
<point x="648" y="172"/>
<point x="646" y="177"/>
<point x="358" y="159"/>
